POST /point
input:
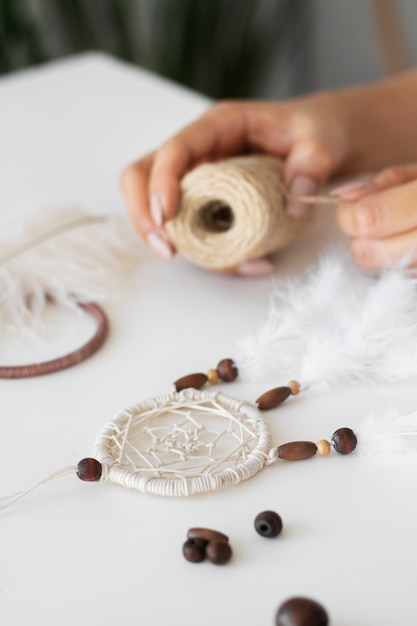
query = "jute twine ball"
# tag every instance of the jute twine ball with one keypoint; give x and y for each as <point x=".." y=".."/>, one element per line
<point x="232" y="211"/>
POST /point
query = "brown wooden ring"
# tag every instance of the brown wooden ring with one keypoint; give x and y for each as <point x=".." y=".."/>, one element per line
<point x="61" y="363"/>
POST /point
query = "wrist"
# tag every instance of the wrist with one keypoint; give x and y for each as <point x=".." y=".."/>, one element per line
<point x="377" y="123"/>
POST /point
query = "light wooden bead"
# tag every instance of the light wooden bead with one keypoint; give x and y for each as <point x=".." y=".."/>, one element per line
<point x="323" y="447"/>
<point x="294" y="386"/>
<point x="213" y="376"/>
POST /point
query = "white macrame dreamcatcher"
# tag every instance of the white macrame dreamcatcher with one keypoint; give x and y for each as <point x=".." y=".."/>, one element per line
<point x="184" y="443"/>
<point x="354" y="327"/>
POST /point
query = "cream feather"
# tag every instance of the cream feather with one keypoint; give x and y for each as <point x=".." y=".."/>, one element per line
<point x="68" y="255"/>
<point x="336" y="325"/>
<point x="389" y="433"/>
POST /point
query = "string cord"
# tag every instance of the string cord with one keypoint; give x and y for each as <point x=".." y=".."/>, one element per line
<point x="7" y="501"/>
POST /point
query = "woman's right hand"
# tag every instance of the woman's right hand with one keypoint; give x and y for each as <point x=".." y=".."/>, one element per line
<point x="306" y="132"/>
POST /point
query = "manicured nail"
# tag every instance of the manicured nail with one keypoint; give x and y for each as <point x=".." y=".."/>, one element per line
<point x="156" y="210"/>
<point x="260" y="267"/>
<point x="349" y="190"/>
<point x="160" y="245"/>
<point x="301" y="186"/>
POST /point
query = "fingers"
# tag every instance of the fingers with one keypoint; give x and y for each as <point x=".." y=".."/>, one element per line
<point x="218" y="134"/>
<point x="382" y="214"/>
<point x="151" y="186"/>
<point x="387" y="178"/>
<point x="134" y="186"/>
<point x="383" y="225"/>
<point x="308" y="165"/>
<point x="250" y="269"/>
<point x="376" y="254"/>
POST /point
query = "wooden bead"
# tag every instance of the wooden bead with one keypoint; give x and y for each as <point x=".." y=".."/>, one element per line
<point x="273" y="398"/>
<point x="191" y="380"/>
<point x="206" y="534"/>
<point x="218" y="552"/>
<point x="89" y="470"/>
<point x="297" y="450"/>
<point x="294" y="386"/>
<point x="227" y="370"/>
<point x="301" y="612"/>
<point x="213" y="376"/>
<point x="194" y="550"/>
<point x="344" y="440"/>
<point x="268" y="524"/>
<point x="323" y="447"/>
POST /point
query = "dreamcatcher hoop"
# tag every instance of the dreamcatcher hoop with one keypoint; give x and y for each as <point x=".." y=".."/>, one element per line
<point x="171" y="445"/>
<point x="68" y="360"/>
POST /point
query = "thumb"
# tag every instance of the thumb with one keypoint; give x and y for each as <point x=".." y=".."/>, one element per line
<point x="307" y="166"/>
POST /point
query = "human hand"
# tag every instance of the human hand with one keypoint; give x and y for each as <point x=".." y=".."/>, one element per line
<point x="306" y="132"/>
<point x="380" y="215"/>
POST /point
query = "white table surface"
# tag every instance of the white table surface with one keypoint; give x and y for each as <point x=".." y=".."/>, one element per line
<point x="79" y="553"/>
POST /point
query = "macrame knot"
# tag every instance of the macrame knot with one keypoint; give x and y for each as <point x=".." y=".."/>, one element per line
<point x="272" y="456"/>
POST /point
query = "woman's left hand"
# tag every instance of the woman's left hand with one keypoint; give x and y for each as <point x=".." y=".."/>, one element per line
<point x="380" y="215"/>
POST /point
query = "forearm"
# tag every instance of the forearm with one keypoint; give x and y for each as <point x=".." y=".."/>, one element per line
<point x="380" y="123"/>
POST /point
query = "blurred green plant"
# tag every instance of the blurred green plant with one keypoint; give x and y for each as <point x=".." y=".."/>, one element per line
<point x="219" y="47"/>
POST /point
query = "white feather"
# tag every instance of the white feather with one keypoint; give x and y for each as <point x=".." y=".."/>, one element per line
<point x="336" y="325"/>
<point x="387" y="434"/>
<point x="67" y="255"/>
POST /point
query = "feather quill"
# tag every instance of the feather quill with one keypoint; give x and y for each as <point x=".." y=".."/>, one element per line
<point x="336" y="325"/>
<point x="68" y="256"/>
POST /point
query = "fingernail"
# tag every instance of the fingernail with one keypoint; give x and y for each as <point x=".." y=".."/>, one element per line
<point x="156" y="210"/>
<point x="260" y="267"/>
<point x="349" y="190"/>
<point x="160" y="245"/>
<point x="301" y="186"/>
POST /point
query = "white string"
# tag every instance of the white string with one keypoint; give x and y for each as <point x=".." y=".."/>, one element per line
<point x="7" y="501"/>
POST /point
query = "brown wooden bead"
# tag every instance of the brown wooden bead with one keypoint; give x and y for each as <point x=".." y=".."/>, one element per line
<point x="273" y="398"/>
<point x="301" y="612"/>
<point x="213" y="376"/>
<point x="227" y="370"/>
<point x="218" y="552"/>
<point x="206" y="534"/>
<point x="268" y="524"/>
<point x="297" y="450"/>
<point x="89" y="470"/>
<point x="194" y="550"/>
<point x="191" y="380"/>
<point x="323" y="447"/>
<point x="344" y="440"/>
<point x="294" y="386"/>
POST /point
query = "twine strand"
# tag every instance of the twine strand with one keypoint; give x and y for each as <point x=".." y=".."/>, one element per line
<point x="7" y="501"/>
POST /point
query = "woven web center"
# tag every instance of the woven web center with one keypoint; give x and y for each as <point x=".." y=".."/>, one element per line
<point x="184" y="439"/>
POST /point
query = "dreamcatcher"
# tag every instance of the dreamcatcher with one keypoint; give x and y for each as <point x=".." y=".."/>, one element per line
<point x="195" y="440"/>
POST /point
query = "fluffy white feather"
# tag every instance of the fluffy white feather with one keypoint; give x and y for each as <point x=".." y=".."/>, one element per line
<point x="388" y="434"/>
<point x="336" y="325"/>
<point x="68" y="255"/>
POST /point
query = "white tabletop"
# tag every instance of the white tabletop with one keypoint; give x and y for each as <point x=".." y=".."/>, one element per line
<point x="79" y="553"/>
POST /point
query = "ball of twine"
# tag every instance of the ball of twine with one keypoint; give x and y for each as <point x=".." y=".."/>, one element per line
<point x="232" y="211"/>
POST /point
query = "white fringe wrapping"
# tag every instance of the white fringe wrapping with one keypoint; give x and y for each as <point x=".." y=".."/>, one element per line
<point x="336" y="325"/>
